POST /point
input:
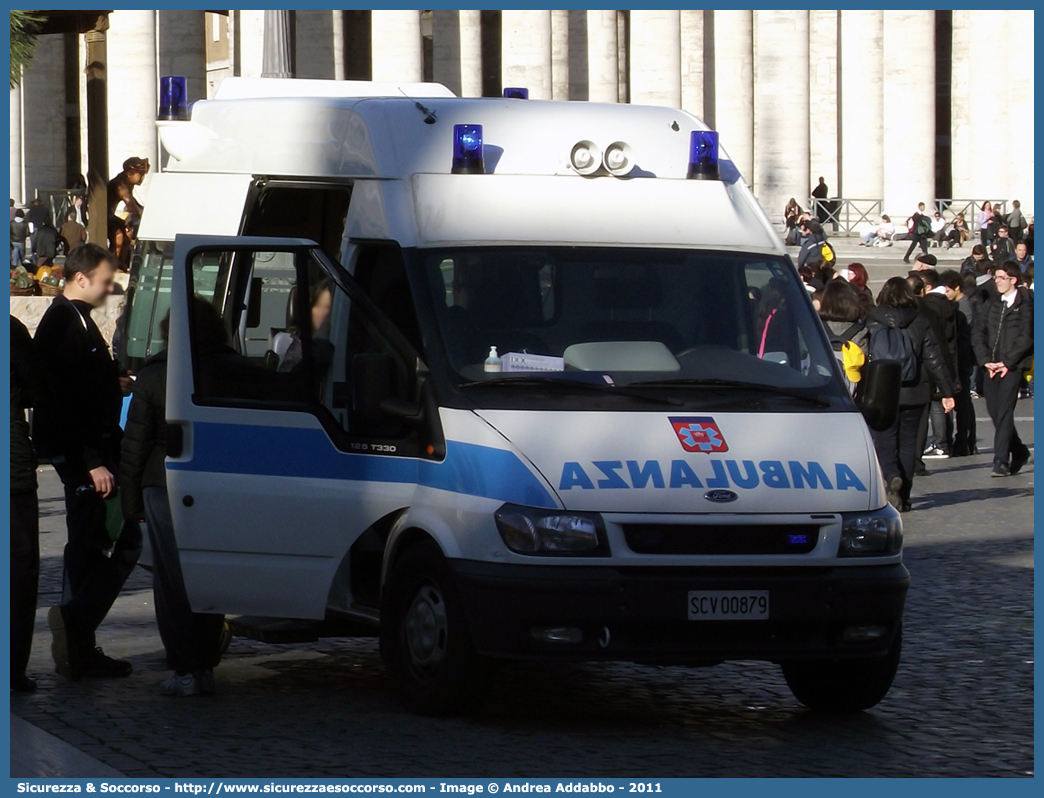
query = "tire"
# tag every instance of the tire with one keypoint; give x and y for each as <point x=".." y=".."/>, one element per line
<point x="844" y="686"/>
<point x="424" y="636"/>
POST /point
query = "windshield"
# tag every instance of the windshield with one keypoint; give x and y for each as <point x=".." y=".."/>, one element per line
<point x="652" y="318"/>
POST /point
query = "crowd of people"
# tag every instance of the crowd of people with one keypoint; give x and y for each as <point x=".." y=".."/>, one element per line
<point x="960" y="334"/>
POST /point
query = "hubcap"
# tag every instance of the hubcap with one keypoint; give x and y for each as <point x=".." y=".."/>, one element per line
<point x="426" y="628"/>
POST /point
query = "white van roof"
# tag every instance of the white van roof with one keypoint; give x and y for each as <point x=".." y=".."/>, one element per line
<point x="401" y="150"/>
<point x="247" y="88"/>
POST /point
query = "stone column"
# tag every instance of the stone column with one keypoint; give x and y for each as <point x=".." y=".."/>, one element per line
<point x="181" y="42"/>
<point x="655" y="58"/>
<point x="43" y="116"/>
<point x="780" y="108"/>
<point x="822" y="103"/>
<point x="526" y="52"/>
<point x="17" y="193"/>
<point x="249" y="42"/>
<point x="320" y="44"/>
<point x="277" y="55"/>
<point x="1019" y="114"/>
<point x="560" y="44"/>
<point x="862" y="98"/>
<point x="133" y="86"/>
<point x="396" y="50"/>
<point x="734" y="87"/>
<point x="692" y="62"/>
<point x="909" y="111"/>
<point x="457" y="51"/>
<point x="602" y="57"/>
<point x="962" y="107"/>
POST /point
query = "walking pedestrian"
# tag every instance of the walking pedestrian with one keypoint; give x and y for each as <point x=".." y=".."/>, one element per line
<point x="941" y="308"/>
<point x="1016" y="221"/>
<point x="46" y="246"/>
<point x="897" y="324"/>
<point x="26" y="392"/>
<point x="964" y="439"/>
<point x="1003" y="248"/>
<point x="1003" y="341"/>
<point x="921" y="229"/>
<point x="985" y="217"/>
<point x="192" y="640"/>
<point x="37" y="216"/>
<point x="78" y="427"/>
<point x="72" y="232"/>
<point x="19" y="232"/>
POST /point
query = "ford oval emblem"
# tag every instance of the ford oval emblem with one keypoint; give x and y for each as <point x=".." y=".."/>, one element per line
<point x="721" y="496"/>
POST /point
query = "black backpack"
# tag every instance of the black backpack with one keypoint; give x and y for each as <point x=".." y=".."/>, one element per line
<point x="894" y="343"/>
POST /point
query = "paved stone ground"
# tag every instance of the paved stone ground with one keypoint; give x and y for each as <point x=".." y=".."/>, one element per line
<point x="962" y="703"/>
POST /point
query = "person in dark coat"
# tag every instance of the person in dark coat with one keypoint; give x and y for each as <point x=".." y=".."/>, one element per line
<point x="898" y="308"/>
<point x="1003" y="342"/>
<point x="78" y="427"/>
<point x="19" y="232"/>
<point x="940" y="307"/>
<point x="964" y="440"/>
<point x="26" y="392"/>
<point x="46" y="246"/>
<point x="192" y="640"/>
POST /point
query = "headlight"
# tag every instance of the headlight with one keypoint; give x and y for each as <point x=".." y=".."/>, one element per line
<point x="869" y="534"/>
<point x="548" y="532"/>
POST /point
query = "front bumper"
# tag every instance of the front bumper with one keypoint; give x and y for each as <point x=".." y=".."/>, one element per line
<point x="644" y="610"/>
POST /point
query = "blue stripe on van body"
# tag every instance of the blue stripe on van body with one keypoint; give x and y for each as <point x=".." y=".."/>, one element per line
<point x="287" y="452"/>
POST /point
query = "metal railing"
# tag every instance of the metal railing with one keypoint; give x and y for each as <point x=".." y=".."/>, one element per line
<point x="60" y="201"/>
<point x="969" y="207"/>
<point x="845" y="215"/>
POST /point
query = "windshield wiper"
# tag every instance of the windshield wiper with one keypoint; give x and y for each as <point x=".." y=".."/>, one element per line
<point x="818" y="401"/>
<point x="570" y="385"/>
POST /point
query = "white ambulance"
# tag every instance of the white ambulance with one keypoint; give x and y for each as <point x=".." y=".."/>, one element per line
<point x="507" y="380"/>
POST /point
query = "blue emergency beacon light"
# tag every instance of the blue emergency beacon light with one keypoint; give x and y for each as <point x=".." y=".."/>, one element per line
<point x="467" y="150"/>
<point x="703" y="155"/>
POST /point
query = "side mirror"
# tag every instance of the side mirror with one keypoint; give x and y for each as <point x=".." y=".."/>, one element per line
<point x="878" y="395"/>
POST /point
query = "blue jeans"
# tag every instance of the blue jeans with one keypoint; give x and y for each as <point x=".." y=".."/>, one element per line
<point x="17" y="254"/>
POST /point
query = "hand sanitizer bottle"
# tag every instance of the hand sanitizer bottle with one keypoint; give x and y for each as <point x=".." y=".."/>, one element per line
<point x="493" y="361"/>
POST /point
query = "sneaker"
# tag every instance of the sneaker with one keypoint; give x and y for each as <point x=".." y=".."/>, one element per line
<point x="1000" y="470"/>
<point x="1019" y="460"/>
<point x="205" y="680"/>
<point x="935" y="453"/>
<point x="974" y="394"/>
<point x="907" y="507"/>
<point x="180" y="686"/>
<point x="99" y="666"/>
<point x="892" y="495"/>
<point x="66" y="655"/>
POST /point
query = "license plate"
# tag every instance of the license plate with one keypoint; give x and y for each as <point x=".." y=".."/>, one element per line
<point x="728" y="605"/>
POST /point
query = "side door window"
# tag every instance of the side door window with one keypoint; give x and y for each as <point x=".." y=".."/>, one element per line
<point x="301" y="343"/>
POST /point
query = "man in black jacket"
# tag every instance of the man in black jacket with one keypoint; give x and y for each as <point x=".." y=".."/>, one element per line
<point x="26" y="392"/>
<point x="1003" y="342"/>
<point x="942" y="310"/>
<point x="78" y="427"/>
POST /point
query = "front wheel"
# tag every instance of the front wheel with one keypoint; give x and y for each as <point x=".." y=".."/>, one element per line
<point x="844" y="686"/>
<point x="424" y="637"/>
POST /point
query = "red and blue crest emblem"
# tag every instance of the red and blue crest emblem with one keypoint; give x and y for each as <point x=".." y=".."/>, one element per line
<point x="699" y="434"/>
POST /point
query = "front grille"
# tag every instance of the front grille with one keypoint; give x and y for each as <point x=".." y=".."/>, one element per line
<point x="720" y="538"/>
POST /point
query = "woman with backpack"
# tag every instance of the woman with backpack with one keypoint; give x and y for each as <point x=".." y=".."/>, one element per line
<point x="899" y="330"/>
<point x="841" y="312"/>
